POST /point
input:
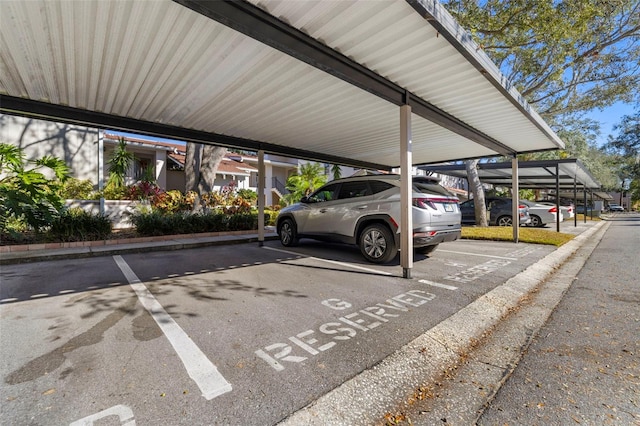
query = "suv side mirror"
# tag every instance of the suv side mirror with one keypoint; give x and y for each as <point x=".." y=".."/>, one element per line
<point x="305" y="200"/>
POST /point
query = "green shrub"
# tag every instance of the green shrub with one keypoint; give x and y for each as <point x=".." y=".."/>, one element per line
<point x="79" y="225"/>
<point x="270" y="217"/>
<point x="243" y="222"/>
<point x="248" y="194"/>
<point x="172" y="201"/>
<point x="113" y="193"/>
<point x="157" y="223"/>
<point x="76" y="189"/>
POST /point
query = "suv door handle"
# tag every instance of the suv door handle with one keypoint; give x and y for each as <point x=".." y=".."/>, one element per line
<point x="323" y="210"/>
<point x="362" y="207"/>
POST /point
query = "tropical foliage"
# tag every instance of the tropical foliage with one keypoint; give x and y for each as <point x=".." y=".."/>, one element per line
<point x="119" y="162"/>
<point x="29" y="189"/>
<point x="309" y="178"/>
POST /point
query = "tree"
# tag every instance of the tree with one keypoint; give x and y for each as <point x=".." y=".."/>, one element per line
<point x="336" y="171"/>
<point x="309" y="178"/>
<point x="119" y="162"/>
<point x="26" y="193"/>
<point x="201" y="165"/>
<point x="625" y="147"/>
<point x="565" y="58"/>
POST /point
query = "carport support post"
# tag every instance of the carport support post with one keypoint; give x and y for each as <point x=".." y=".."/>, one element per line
<point x="575" y="200"/>
<point x="261" y="185"/>
<point x="406" y="218"/>
<point x="515" y="200"/>
<point x="101" y="169"/>
<point x="557" y="198"/>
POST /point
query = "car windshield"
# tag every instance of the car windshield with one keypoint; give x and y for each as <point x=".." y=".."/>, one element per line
<point x="430" y="188"/>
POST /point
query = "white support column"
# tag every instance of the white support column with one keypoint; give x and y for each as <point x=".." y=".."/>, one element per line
<point x="515" y="214"/>
<point x="261" y="198"/>
<point x="161" y="169"/>
<point x="406" y="218"/>
<point x="101" y="168"/>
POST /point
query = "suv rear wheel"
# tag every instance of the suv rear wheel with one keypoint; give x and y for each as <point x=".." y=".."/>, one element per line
<point x="288" y="233"/>
<point x="377" y="244"/>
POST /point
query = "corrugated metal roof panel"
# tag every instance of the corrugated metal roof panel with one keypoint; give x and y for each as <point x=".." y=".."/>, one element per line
<point x="164" y="63"/>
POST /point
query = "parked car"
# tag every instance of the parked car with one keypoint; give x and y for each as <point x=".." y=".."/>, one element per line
<point x="568" y="210"/>
<point x="542" y="214"/>
<point x="365" y="210"/>
<point x="615" y="208"/>
<point x="499" y="211"/>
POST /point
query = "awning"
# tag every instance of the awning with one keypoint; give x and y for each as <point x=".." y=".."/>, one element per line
<point x="532" y="174"/>
<point x="316" y="80"/>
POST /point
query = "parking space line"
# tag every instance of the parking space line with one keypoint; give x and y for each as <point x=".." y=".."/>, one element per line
<point x="200" y="369"/>
<point x="477" y="254"/>
<point x="434" y="284"/>
<point x="348" y="265"/>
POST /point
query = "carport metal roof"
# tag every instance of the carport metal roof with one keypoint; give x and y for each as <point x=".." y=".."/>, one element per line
<point x="531" y="175"/>
<point x="308" y="79"/>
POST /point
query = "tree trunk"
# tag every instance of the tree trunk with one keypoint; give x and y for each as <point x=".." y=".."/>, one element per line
<point x="201" y="164"/>
<point x="478" y="192"/>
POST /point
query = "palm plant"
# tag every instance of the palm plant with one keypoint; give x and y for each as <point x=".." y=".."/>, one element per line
<point x="119" y="163"/>
<point x="309" y="178"/>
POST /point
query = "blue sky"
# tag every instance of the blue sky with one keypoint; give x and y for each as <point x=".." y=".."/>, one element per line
<point x="609" y="117"/>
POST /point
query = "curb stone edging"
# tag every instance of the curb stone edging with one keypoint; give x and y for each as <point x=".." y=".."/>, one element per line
<point x="364" y="399"/>
<point x="116" y="241"/>
<point x="162" y="243"/>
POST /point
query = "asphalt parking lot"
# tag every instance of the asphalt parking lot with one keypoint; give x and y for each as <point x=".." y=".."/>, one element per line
<point x="237" y="334"/>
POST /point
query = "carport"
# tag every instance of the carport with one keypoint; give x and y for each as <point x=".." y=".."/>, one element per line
<point x="559" y="175"/>
<point x="374" y="85"/>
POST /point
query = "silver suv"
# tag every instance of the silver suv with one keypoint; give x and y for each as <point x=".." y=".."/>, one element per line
<point x="365" y="211"/>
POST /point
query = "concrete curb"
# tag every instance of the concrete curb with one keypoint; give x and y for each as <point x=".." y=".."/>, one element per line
<point x="141" y="247"/>
<point x="364" y="399"/>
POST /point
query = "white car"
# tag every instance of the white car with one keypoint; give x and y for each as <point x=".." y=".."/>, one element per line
<point x="568" y="211"/>
<point x="542" y="214"/>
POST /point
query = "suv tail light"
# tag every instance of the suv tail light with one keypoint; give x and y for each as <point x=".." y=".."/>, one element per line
<point x="553" y="210"/>
<point x="522" y="206"/>
<point x="423" y="203"/>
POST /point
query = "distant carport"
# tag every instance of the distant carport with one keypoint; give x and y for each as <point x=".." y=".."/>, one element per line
<point x="558" y="175"/>
<point x="369" y="84"/>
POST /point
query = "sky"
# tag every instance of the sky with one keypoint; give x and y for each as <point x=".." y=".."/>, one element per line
<point x="609" y="117"/>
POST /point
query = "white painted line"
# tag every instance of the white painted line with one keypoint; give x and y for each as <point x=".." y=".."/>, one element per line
<point x="476" y="254"/>
<point x="11" y="299"/>
<point x="124" y="413"/>
<point x="200" y="369"/>
<point x="434" y="284"/>
<point x="348" y="265"/>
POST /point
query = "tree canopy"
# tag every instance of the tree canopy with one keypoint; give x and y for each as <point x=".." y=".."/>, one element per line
<point x="624" y="146"/>
<point x="566" y="58"/>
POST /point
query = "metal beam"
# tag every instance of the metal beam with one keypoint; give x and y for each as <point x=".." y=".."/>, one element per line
<point x="254" y="22"/>
<point x="65" y="114"/>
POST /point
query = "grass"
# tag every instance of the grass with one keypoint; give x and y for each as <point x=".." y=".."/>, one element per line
<point x="527" y="235"/>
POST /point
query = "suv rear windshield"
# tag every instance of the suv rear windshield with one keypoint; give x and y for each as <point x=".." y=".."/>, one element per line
<point x="430" y="188"/>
